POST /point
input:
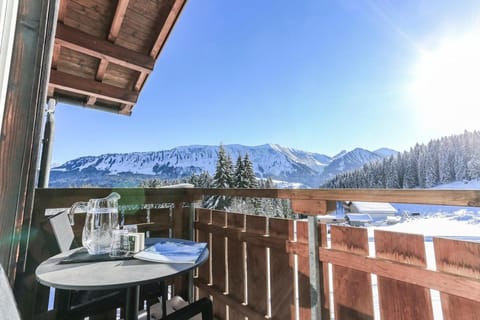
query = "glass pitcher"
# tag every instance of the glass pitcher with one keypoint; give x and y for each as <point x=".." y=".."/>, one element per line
<point x="100" y="220"/>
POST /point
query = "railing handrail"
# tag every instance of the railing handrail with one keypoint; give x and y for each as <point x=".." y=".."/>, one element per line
<point x="64" y="197"/>
<point x="470" y="198"/>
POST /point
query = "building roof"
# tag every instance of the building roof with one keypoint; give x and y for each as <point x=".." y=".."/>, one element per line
<point x="105" y="50"/>
<point x="372" y="207"/>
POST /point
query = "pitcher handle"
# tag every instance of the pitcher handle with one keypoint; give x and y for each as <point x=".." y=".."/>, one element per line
<point x="71" y="212"/>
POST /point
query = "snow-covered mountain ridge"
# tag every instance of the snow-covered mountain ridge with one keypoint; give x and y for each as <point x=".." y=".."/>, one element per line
<point x="269" y="160"/>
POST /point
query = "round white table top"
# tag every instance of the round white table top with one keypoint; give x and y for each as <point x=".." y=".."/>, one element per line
<point x="107" y="274"/>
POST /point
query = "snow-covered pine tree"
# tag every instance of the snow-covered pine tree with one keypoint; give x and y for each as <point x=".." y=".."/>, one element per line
<point x="240" y="174"/>
<point x="222" y="179"/>
<point x="249" y="173"/>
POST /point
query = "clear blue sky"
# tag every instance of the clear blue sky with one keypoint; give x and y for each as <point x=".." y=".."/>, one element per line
<point x="316" y="75"/>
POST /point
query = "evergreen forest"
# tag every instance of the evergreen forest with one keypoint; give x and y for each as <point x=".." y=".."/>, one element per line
<point x="441" y="161"/>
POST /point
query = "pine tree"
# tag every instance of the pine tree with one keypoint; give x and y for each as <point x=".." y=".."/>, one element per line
<point x="222" y="179"/>
<point x="240" y="175"/>
<point x="249" y="173"/>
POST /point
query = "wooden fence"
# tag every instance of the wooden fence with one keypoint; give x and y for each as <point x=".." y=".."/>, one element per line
<point x="259" y="268"/>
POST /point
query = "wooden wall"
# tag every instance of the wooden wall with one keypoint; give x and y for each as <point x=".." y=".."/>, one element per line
<point x="20" y="130"/>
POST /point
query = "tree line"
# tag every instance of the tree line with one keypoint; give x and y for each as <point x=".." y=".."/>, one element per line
<point x="241" y="175"/>
<point x="441" y="161"/>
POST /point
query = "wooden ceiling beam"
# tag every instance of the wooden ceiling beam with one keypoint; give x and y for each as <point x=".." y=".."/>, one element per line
<point x="118" y="19"/>
<point x="91" y="88"/>
<point x="167" y="27"/>
<point x="62" y="10"/>
<point x="102" y="68"/>
<point x="55" y="55"/>
<point x="140" y="81"/>
<point x="102" y="49"/>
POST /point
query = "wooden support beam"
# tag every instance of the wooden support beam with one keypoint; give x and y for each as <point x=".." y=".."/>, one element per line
<point x="92" y="88"/>
<point x="56" y="53"/>
<point x="167" y="27"/>
<point x="91" y="101"/>
<point x="102" y="68"/>
<point x="314" y="206"/>
<point x="117" y="20"/>
<point x="140" y="81"/>
<point x="84" y="43"/>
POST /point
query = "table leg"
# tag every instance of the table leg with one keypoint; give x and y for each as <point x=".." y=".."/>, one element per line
<point x="131" y="303"/>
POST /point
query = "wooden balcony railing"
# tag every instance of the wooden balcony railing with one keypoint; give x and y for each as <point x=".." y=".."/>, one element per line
<point x="262" y="267"/>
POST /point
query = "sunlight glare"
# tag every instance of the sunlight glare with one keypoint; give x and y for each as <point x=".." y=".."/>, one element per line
<point x="446" y="85"/>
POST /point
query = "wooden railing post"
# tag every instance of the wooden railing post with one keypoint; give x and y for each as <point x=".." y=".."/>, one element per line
<point x="191" y="236"/>
<point x="314" y="264"/>
<point x="314" y="207"/>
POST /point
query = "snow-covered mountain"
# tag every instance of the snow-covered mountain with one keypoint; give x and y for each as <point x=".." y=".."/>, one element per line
<point x="347" y="161"/>
<point x="269" y="160"/>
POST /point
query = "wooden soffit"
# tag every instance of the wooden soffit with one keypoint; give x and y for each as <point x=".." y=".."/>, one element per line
<point x="105" y="50"/>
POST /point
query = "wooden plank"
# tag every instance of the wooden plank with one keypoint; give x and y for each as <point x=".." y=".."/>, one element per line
<point x="82" y="42"/>
<point x="167" y="27"/>
<point x="303" y="272"/>
<point x="203" y="216"/>
<point x="281" y="271"/>
<point x="219" y="278"/>
<point x="257" y="266"/>
<point x="117" y="19"/>
<point x="236" y="264"/>
<point x="352" y="289"/>
<point x="469" y="198"/>
<point x="460" y="258"/>
<point x="94" y="88"/>
<point x="398" y="299"/>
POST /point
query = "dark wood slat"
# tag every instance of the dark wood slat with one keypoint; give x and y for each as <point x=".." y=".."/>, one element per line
<point x="398" y="299"/>
<point x="236" y="264"/>
<point x="303" y="270"/>
<point x="219" y="279"/>
<point x="281" y="271"/>
<point x="352" y="293"/>
<point x="118" y="19"/>
<point x="82" y="42"/>
<point x="460" y="258"/>
<point x="167" y="27"/>
<point x="93" y="88"/>
<point x="257" y="266"/>
<point x="204" y="216"/>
